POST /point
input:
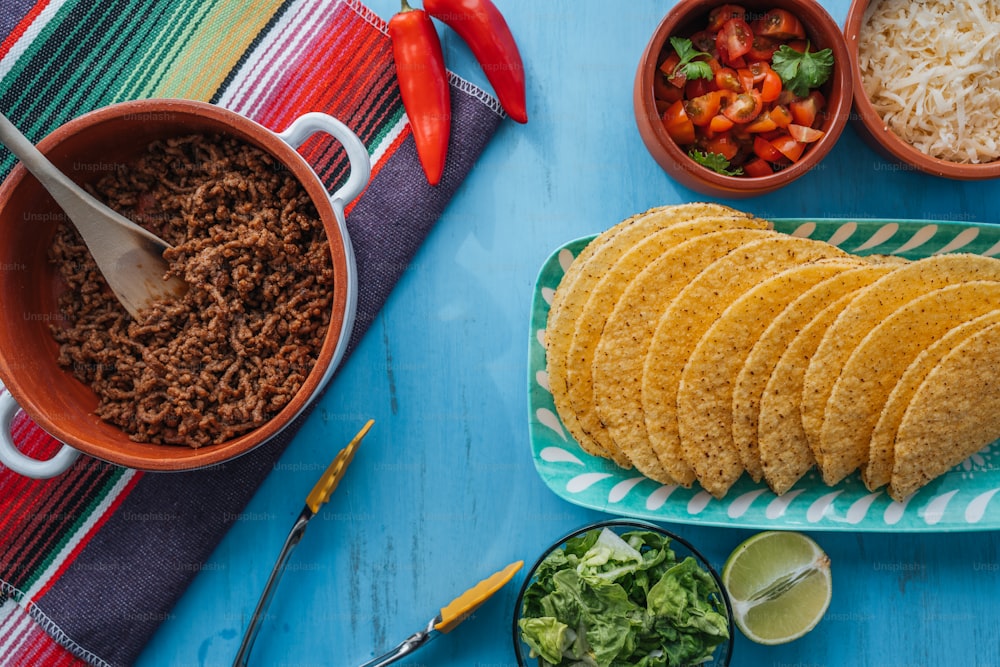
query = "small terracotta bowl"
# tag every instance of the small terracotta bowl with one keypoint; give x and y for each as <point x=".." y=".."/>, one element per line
<point x="47" y="392"/>
<point x="883" y="140"/>
<point x="690" y="16"/>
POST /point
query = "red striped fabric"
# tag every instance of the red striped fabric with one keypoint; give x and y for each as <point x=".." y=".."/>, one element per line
<point x="22" y="26"/>
<point x="24" y="642"/>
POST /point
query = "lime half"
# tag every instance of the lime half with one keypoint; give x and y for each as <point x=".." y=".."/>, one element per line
<point x="779" y="584"/>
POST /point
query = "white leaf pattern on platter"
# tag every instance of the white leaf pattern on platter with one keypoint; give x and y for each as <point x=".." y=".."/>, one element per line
<point x="559" y="455"/>
<point x="565" y="259"/>
<point x="621" y="489"/>
<point x="975" y="462"/>
<point x="738" y="507"/>
<point x="964" y="238"/>
<point x="977" y="508"/>
<point x="819" y="507"/>
<point x="881" y="235"/>
<point x="659" y="497"/>
<point x="859" y="508"/>
<point x="542" y="378"/>
<point x="540" y="336"/>
<point x="585" y="481"/>
<point x="994" y="249"/>
<point x="920" y="237"/>
<point x="805" y="230"/>
<point x="776" y="508"/>
<point x="699" y="502"/>
<point x="547" y="294"/>
<point x="894" y="512"/>
<point x="844" y="232"/>
<point x="549" y="419"/>
<point x="935" y="509"/>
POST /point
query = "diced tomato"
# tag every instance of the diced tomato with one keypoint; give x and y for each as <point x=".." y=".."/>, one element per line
<point x="727" y="79"/>
<point x="762" y="123"/>
<point x="735" y="38"/>
<point x="762" y="48"/>
<point x="720" y="124"/>
<point x="746" y="79"/>
<point x="723" y="144"/>
<point x="780" y="114"/>
<point x="718" y="16"/>
<point x="737" y="63"/>
<point x="780" y="24"/>
<point x="668" y="68"/>
<point x="744" y="108"/>
<point x="704" y="41"/>
<point x="765" y="150"/>
<point x="663" y="91"/>
<point x="773" y="134"/>
<point x="757" y="167"/>
<point x="702" y="109"/>
<point x="786" y="97"/>
<point x="799" y="45"/>
<point x="741" y="133"/>
<point x="788" y="147"/>
<point x="770" y="86"/>
<point x="698" y="87"/>
<point x="758" y="69"/>
<point x="803" y="134"/>
<point x="805" y="111"/>
<point x="677" y="124"/>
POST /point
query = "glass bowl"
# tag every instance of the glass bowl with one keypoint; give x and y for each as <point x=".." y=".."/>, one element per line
<point x="682" y="549"/>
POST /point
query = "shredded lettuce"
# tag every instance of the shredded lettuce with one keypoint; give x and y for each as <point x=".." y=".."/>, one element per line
<point x="623" y="600"/>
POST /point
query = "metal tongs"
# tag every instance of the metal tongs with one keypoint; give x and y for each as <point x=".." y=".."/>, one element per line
<point x="318" y="497"/>
<point x="450" y="616"/>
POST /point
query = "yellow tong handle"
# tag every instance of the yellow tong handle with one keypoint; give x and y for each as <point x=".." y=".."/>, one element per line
<point x="466" y="603"/>
<point x="331" y="477"/>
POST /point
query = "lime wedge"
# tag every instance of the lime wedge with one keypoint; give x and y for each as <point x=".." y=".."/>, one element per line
<point x="779" y="584"/>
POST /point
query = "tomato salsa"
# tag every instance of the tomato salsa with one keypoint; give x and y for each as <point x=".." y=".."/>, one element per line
<point x="742" y="95"/>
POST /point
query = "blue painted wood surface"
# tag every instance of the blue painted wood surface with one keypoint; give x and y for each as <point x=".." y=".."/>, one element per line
<point x="443" y="490"/>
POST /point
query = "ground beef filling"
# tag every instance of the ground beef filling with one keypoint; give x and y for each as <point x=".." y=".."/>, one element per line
<point x="234" y="351"/>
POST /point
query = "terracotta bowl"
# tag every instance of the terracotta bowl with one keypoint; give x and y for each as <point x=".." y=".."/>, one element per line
<point x="883" y="140"/>
<point x="48" y="393"/>
<point x="689" y="16"/>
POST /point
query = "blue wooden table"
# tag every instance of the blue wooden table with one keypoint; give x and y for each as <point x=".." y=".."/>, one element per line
<point x="443" y="490"/>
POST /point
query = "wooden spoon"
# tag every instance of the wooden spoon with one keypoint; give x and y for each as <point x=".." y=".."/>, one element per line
<point x="129" y="257"/>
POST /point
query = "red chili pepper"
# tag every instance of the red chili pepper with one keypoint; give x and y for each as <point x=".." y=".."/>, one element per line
<point x="485" y="30"/>
<point x="423" y="84"/>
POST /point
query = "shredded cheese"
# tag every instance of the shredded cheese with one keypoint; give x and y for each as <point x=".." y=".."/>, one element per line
<point x="932" y="71"/>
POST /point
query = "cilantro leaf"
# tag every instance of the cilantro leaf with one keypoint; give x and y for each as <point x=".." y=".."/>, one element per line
<point x="715" y="162"/>
<point x="688" y="66"/>
<point x="801" y="71"/>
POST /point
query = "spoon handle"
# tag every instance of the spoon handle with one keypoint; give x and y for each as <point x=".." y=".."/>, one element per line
<point x="31" y="157"/>
<point x="87" y="213"/>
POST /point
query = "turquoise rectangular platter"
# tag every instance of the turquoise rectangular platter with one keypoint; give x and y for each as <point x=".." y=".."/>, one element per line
<point x="961" y="500"/>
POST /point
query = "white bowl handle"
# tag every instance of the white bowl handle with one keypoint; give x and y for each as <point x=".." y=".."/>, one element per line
<point x="20" y="463"/>
<point x="295" y="134"/>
